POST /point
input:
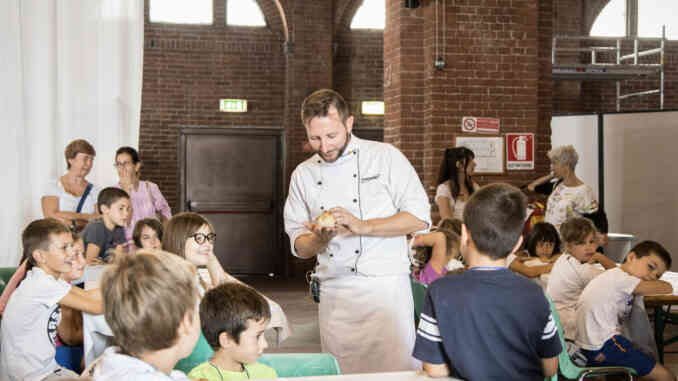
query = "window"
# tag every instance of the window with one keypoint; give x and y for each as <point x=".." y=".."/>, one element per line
<point x="244" y="13"/>
<point x="181" y="11"/>
<point x="653" y="14"/>
<point x="611" y="21"/>
<point x="370" y="15"/>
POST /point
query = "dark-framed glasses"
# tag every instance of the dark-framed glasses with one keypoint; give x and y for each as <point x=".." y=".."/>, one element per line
<point x="123" y="165"/>
<point x="200" y="238"/>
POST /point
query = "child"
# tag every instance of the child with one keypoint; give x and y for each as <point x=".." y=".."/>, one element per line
<point x="488" y="309"/>
<point x="433" y="252"/>
<point x="105" y="236"/>
<point x="574" y="270"/>
<point x="148" y="234"/>
<point x="233" y="319"/>
<point x="606" y="302"/>
<point x="30" y="321"/>
<point x="191" y="236"/>
<point x="542" y="243"/>
<point x="69" y="333"/>
<point x="151" y="305"/>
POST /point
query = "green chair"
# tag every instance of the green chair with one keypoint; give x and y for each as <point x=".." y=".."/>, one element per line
<point x="301" y="364"/>
<point x="419" y="295"/>
<point x="573" y="372"/>
<point x="201" y="353"/>
<point x="5" y="275"/>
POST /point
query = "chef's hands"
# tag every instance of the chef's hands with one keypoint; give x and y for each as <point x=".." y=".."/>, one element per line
<point x="322" y="233"/>
<point x="348" y="224"/>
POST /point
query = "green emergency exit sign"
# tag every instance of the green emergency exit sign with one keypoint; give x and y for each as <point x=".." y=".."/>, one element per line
<point x="233" y="105"/>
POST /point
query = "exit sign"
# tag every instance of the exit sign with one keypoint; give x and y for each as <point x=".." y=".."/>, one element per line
<point x="233" y="105"/>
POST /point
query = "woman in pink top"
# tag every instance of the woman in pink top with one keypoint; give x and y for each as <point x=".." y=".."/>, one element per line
<point x="147" y="201"/>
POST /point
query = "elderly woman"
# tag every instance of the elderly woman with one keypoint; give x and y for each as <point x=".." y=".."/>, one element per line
<point x="455" y="184"/>
<point x="71" y="198"/>
<point x="568" y="195"/>
<point x="147" y="200"/>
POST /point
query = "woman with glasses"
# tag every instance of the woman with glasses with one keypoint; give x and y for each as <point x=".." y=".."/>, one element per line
<point x="147" y="200"/>
<point x="192" y="237"/>
<point x="70" y="198"/>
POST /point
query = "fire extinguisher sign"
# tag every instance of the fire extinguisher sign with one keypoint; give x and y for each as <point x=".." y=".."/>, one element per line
<point x="519" y="151"/>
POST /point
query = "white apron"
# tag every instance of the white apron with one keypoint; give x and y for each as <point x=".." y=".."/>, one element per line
<point x="367" y="323"/>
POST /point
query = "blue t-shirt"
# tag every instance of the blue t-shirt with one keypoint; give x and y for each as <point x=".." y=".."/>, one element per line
<point x="487" y="325"/>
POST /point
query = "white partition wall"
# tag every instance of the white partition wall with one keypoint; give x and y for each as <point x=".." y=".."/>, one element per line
<point x="641" y="178"/>
<point x="581" y="131"/>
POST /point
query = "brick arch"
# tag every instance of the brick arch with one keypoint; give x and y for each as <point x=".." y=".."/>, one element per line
<point x="275" y="16"/>
<point x="591" y="12"/>
<point x="344" y="12"/>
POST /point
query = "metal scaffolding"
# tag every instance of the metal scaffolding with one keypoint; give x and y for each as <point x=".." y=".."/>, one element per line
<point x="621" y="67"/>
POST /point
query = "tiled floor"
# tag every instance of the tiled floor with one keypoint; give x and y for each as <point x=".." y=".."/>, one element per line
<point x="301" y="311"/>
<point x="302" y="314"/>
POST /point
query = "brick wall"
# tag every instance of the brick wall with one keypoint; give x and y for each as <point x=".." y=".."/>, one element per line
<point x="359" y="71"/>
<point x="497" y="65"/>
<point x="187" y="69"/>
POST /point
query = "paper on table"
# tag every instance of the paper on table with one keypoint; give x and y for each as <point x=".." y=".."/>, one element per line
<point x="671" y="277"/>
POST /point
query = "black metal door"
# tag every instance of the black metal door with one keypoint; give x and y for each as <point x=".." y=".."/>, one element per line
<point x="233" y="176"/>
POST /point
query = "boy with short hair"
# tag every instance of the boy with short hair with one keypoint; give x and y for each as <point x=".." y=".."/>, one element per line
<point x="31" y="319"/>
<point x="105" y="236"/>
<point x="606" y="302"/>
<point x="151" y="305"/>
<point x="574" y="269"/>
<point x="488" y="323"/>
<point x="233" y="319"/>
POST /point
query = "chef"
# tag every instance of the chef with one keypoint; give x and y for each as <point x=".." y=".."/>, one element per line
<point x="366" y="311"/>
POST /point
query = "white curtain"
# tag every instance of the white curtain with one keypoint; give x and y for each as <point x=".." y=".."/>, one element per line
<point x="69" y="69"/>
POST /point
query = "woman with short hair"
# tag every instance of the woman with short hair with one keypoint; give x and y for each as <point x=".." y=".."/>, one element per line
<point x="70" y="198"/>
<point x="568" y="195"/>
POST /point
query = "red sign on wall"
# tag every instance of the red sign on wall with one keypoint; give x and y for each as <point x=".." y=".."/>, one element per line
<point x="520" y="151"/>
<point x="482" y="125"/>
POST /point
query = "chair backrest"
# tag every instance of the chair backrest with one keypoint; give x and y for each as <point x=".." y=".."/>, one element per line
<point x="301" y="364"/>
<point x="565" y="364"/>
<point x="5" y="275"/>
<point x="201" y="353"/>
<point x="419" y="295"/>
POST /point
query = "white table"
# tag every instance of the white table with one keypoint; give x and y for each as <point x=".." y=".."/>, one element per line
<point x="389" y="376"/>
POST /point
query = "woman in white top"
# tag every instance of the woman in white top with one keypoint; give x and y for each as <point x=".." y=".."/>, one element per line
<point x="568" y="195"/>
<point x="70" y="198"/>
<point x="455" y="184"/>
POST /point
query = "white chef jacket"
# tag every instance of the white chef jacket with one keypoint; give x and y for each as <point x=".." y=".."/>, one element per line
<point x="370" y="180"/>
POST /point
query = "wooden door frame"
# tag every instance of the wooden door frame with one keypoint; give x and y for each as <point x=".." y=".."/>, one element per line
<point x="279" y="133"/>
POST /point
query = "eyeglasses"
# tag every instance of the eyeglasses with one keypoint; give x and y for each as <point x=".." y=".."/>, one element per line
<point x="200" y="238"/>
<point x="122" y="165"/>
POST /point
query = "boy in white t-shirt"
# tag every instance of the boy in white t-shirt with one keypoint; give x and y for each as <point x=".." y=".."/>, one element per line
<point x="151" y="304"/>
<point x="574" y="270"/>
<point x="606" y="302"/>
<point x="33" y="313"/>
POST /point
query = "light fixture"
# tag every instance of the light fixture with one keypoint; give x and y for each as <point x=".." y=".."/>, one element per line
<point x="233" y="105"/>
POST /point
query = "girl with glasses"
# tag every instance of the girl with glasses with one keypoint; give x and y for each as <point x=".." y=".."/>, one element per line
<point x="192" y="237"/>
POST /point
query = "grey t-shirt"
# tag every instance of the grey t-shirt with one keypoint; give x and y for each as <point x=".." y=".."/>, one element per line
<point x="97" y="233"/>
